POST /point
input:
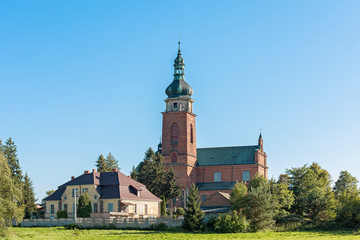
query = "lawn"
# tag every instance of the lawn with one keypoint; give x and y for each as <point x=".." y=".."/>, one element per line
<point x="61" y="233"/>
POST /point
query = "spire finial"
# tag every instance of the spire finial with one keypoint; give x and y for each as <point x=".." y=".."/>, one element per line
<point x="179" y="42"/>
<point x="260" y="136"/>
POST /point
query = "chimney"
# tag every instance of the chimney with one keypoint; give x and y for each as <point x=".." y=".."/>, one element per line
<point x="114" y="170"/>
<point x="94" y="170"/>
<point x="72" y="178"/>
<point x="86" y="172"/>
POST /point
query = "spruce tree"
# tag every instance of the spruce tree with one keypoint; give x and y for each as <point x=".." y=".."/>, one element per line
<point x="29" y="196"/>
<point x="101" y="164"/>
<point x="170" y="188"/>
<point x="10" y="195"/>
<point x="133" y="173"/>
<point x="10" y="153"/>
<point x="111" y="162"/>
<point x="194" y="217"/>
<point x="260" y="206"/>
<point x="84" y="208"/>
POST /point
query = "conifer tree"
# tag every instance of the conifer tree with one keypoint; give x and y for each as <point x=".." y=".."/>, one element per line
<point x="10" y="195"/>
<point x="10" y="153"/>
<point x="84" y="208"/>
<point x="29" y="196"/>
<point x="101" y="164"/>
<point x="170" y="188"/>
<point x="194" y="217"/>
<point x="111" y="162"/>
<point x="133" y="173"/>
<point x="260" y="206"/>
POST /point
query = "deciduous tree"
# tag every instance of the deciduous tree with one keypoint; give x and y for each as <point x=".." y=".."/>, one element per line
<point x="84" y="208"/>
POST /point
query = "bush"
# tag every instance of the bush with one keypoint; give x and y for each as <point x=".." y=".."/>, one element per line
<point x="61" y="214"/>
<point x="231" y="223"/>
<point x="180" y="211"/>
<point x="159" y="227"/>
<point x="210" y="224"/>
<point x="73" y="226"/>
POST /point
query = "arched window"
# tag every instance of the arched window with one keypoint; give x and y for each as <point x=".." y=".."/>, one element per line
<point x="191" y="134"/>
<point x="174" y="133"/>
<point x="173" y="157"/>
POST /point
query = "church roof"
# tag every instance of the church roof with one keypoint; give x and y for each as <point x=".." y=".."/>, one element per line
<point x="226" y="155"/>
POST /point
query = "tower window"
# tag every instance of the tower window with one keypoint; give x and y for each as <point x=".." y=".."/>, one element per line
<point x="191" y="134"/>
<point x="174" y="133"/>
<point x="173" y="157"/>
<point x="175" y="105"/>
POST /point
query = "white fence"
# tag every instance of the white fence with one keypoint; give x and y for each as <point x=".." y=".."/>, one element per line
<point x="102" y="222"/>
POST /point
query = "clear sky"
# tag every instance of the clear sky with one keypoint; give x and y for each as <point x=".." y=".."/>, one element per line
<point x="80" y="78"/>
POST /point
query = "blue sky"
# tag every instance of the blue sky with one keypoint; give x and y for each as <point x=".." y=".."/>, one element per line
<point x="80" y="78"/>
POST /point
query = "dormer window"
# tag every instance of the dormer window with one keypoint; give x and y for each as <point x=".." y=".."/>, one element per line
<point x="139" y="193"/>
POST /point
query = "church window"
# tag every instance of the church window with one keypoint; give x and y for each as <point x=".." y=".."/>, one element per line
<point x="191" y="134"/>
<point x="174" y="133"/>
<point x="173" y="157"/>
<point x="217" y="176"/>
<point x="246" y="176"/>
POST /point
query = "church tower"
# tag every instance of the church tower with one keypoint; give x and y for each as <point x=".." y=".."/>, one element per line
<point x="178" y="131"/>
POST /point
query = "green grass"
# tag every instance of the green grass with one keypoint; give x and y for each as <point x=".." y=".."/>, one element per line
<point x="62" y="234"/>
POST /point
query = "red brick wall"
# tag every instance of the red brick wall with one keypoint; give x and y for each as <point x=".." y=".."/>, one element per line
<point x="229" y="173"/>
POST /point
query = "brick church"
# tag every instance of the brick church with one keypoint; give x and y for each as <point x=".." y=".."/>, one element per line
<point x="213" y="170"/>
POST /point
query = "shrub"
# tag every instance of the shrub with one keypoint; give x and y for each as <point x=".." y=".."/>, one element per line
<point x="61" y="214"/>
<point x="73" y="226"/>
<point x="210" y="224"/>
<point x="159" y="227"/>
<point x="180" y="211"/>
<point x="231" y="223"/>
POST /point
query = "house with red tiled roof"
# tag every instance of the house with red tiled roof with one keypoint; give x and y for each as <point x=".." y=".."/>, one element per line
<point x="112" y="194"/>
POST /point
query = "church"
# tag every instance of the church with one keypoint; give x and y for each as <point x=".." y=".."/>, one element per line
<point x="214" y="170"/>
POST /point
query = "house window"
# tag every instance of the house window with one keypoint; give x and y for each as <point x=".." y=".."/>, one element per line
<point x="52" y="208"/>
<point x="173" y="157"/>
<point x="191" y="134"/>
<point x="85" y="190"/>
<point x="203" y="198"/>
<point x="95" y="196"/>
<point x="246" y="176"/>
<point x="73" y="192"/>
<point x="174" y="133"/>
<point x="95" y="208"/>
<point x="139" y="193"/>
<point x="110" y="207"/>
<point x="65" y="198"/>
<point x="217" y="176"/>
<point x="65" y="207"/>
<point x="141" y="208"/>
